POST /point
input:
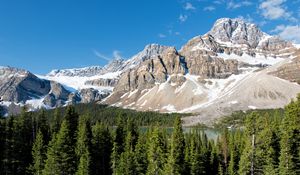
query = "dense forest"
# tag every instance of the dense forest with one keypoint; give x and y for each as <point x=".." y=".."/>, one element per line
<point x="95" y="139"/>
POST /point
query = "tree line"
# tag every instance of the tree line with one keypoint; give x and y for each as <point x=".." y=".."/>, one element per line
<point x="76" y="143"/>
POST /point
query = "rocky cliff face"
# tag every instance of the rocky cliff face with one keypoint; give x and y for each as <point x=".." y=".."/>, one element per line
<point x="233" y="56"/>
<point x="291" y="70"/>
<point x="20" y="86"/>
<point x="86" y="71"/>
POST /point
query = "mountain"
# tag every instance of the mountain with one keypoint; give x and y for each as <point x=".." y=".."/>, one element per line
<point x="234" y="66"/>
<point x="227" y="69"/>
<point x="21" y="87"/>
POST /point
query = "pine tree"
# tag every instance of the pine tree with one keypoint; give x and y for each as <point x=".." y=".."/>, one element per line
<point x="290" y="140"/>
<point x="249" y="163"/>
<point x="175" y="163"/>
<point x="156" y="153"/>
<point x="55" y="124"/>
<point x="140" y="156"/>
<point x="83" y="146"/>
<point x="23" y="141"/>
<point x="225" y="149"/>
<point x="196" y="162"/>
<point x="118" y="144"/>
<point x="126" y="164"/>
<point x="101" y="150"/>
<point x="61" y="157"/>
<point x="38" y="154"/>
<point x="9" y="153"/>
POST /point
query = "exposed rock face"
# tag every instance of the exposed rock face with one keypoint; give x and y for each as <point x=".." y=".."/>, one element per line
<point x="57" y="96"/>
<point x="210" y="66"/>
<point x="236" y="31"/>
<point x="210" y="73"/>
<point x="159" y="68"/>
<point x="291" y="70"/>
<point x="92" y="95"/>
<point x="18" y="85"/>
<point x="86" y="71"/>
<point x="102" y="82"/>
<point x="151" y="50"/>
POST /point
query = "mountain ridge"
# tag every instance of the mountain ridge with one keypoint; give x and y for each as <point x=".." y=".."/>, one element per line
<point x="192" y="79"/>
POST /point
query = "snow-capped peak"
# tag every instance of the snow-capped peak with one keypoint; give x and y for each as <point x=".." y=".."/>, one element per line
<point x="150" y="50"/>
<point x="83" y="72"/>
<point x="237" y="31"/>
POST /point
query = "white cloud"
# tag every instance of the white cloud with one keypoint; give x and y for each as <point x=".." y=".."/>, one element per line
<point x="100" y="55"/>
<point x="288" y="32"/>
<point x="189" y="6"/>
<point x="209" y="8"/>
<point x="177" y="33"/>
<point x="275" y="9"/>
<point x="182" y="18"/>
<point x="161" y="35"/>
<point x="218" y="2"/>
<point x="278" y="28"/>
<point x="247" y="18"/>
<point x="235" y="5"/>
<point x="116" y="54"/>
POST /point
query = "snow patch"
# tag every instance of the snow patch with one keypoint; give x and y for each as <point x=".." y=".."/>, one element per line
<point x="252" y="107"/>
<point x="77" y="82"/>
<point x="258" y="59"/>
<point x="37" y="103"/>
<point x="132" y="93"/>
<point x="297" y="46"/>
<point x="169" y="107"/>
<point x="233" y="102"/>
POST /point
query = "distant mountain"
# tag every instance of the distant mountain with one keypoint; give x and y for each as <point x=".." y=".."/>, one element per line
<point x="234" y="66"/>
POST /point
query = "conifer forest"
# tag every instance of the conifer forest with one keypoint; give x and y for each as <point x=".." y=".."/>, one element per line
<point x="100" y="140"/>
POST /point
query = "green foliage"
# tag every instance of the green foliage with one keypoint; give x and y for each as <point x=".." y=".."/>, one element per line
<point x="107" y="140"/>
<point x="290" y="141"/>
<point x="61" y="158"/>
<point x="101" y="150"/>
<point x="176" y="156"/>
<point x="156" y="153"/>
<point x="83" y="146"/>
<point x="38" y="154"/>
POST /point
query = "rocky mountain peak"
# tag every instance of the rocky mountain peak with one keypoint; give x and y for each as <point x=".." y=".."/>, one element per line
<point x="150" y="51"/>
<point x="237" y="31"/>
<point x="114" y="65"/>
<point x="85" y="71"/>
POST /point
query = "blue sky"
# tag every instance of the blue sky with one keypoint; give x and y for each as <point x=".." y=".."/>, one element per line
<point x="41" y="35"/>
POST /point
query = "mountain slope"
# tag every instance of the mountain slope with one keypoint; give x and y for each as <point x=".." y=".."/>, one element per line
<point x="224" y="70"/>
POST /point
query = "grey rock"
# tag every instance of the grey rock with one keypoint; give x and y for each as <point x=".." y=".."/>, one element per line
<point x="102" y="82"/>
<point x="92" y="95"/>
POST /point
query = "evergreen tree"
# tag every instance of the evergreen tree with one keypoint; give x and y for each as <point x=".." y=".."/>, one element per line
<point x="38" y="154"/>
<point x="9" y="153"/>
<point x="83" y="146"/>
<point x="23" y="141"/>
<point x="175" y="163"/>
<point x="140" y="156"/>
<point x="196" y="162"/>
<point x="61" y="157"/>
<point x="101" y="150"/>
<point x="290" y="140"/>
<point x="126" y="164"/>
<point x="156" y="153"/>
<point x="118" y="144"/>
<point x="249" y="162"/>
<point x="55" y="124"/>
